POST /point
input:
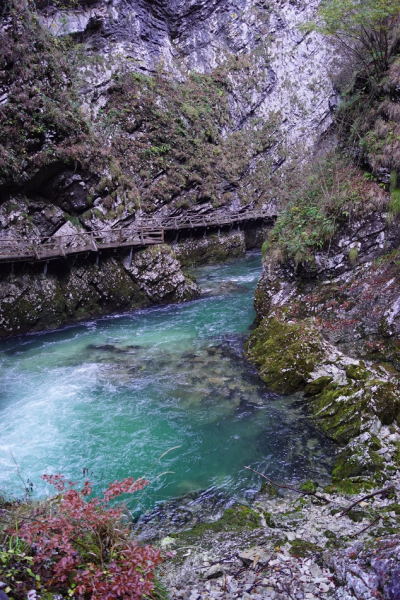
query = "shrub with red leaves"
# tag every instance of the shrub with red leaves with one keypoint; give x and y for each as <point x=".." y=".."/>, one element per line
<point x="83" y="546"/>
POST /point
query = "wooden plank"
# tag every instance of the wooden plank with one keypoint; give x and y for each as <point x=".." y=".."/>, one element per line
<point x="152" y="233"/>
<point x="61" y="247"/>
<point x="93" y="244"/>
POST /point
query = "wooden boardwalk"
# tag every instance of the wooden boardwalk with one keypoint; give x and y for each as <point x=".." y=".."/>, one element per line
<point x="218" y="218"/>
<point x="140" y="234"/>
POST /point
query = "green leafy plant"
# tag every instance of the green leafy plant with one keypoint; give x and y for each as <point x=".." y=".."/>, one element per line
<point x="353" y="256"/>
<point x="317" y="199"/>
<point x="367" y="29"/>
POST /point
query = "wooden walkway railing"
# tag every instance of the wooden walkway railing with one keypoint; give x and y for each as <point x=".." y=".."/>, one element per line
<point x="57" y="246"/>
<point x="217" y="218"/>
<point x="147" y="233"/>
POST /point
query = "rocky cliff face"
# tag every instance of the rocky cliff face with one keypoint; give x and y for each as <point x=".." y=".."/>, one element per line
<point x="331" y="329"/>
<point x="136" y="107"/>
<point x="33" y="301"/>
<point x="286" y="71"/>
<point x="329" y="300"/>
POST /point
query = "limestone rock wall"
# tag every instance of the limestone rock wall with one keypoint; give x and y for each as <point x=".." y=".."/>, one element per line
<point x="332" y="329"/>
<point x="79" y="290"/>
<point x="287" y="71"/>
<point x="175" y="106"/>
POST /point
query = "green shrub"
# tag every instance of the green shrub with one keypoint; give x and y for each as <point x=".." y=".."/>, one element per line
<point x="393" y="180"/>
<point x="353" y="256"/>
<point x="316" y="201"/>
<point x="394" y="204"/>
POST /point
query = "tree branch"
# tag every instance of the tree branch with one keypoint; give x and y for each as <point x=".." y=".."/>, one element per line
<point x="388" y="489"/>
<point x="287" y="487"/>
<point x="367" y="527"/>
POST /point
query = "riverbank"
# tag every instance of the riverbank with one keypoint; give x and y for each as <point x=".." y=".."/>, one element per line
<point x="40" y="297"/>
<point x="291" y="546"/>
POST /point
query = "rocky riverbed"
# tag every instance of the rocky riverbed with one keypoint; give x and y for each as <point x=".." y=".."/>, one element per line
<point x="289" y="546"/>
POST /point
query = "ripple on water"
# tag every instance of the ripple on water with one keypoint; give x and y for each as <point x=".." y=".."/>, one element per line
<point x="111" y="396"/>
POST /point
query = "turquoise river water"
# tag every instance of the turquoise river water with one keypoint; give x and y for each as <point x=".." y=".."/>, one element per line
<point x="112" y="395"/>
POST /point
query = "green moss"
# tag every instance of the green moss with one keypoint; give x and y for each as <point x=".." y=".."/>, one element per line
<point x="234" y="518"/>
<point x="356" y="372"/>
<point x="309" y="486"/>
<point x="318" y="385"/>
<point x="330" y="535"/>
<point x="394" y="204"/>
<point x="269" y="520"/>
<point x="338" y="411"/>
<point x="350" y="487"/>
<point x="285" y="353"/>
<point x="356" y="515"/>
<point x="238" y="516"/>
<point x="395" y="507"/>
<point x="302" y="549"/>
<point x="269" y="490"/>
<point x="353" y="256"/>
<point x="355" y="463"/>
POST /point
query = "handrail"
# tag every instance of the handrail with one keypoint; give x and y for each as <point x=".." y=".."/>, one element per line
<point x="141" y="234"/>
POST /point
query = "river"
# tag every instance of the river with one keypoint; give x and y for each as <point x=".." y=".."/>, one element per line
<point x="108" y="397"/>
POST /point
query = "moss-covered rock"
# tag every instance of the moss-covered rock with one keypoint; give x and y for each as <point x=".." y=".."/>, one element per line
<point x="212" y="249"/>
<point x="318" y="385"/>
<point x="338" y="411"/>
<point x="267" y="489"/>
<point x="80" y="290"/>
<point x="384" y="399"/>
<point x="302" y="548"/>
<point x="238" y="517"/>
<point x="309" y="486"/>
<point x="285" y="353"/>
<point x="357" y="461"/>
<point x="357" y="372"/>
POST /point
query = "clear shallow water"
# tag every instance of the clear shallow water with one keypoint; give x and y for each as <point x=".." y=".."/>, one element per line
<point x="112" y="395"/>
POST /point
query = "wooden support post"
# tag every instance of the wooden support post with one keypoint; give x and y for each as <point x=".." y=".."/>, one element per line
<point x="130" y="257"/>
<point x="61" y="247"/>
<point x="176" y="237"/>
<point x="141" y="237"/>
<point x="162" y="235"/>
<point x="93" y="243"/>
<point x="46" y="264"/>
<point x="97" y="259"/>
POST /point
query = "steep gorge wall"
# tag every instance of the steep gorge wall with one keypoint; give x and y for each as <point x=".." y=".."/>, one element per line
<point x="165" y="107"/>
